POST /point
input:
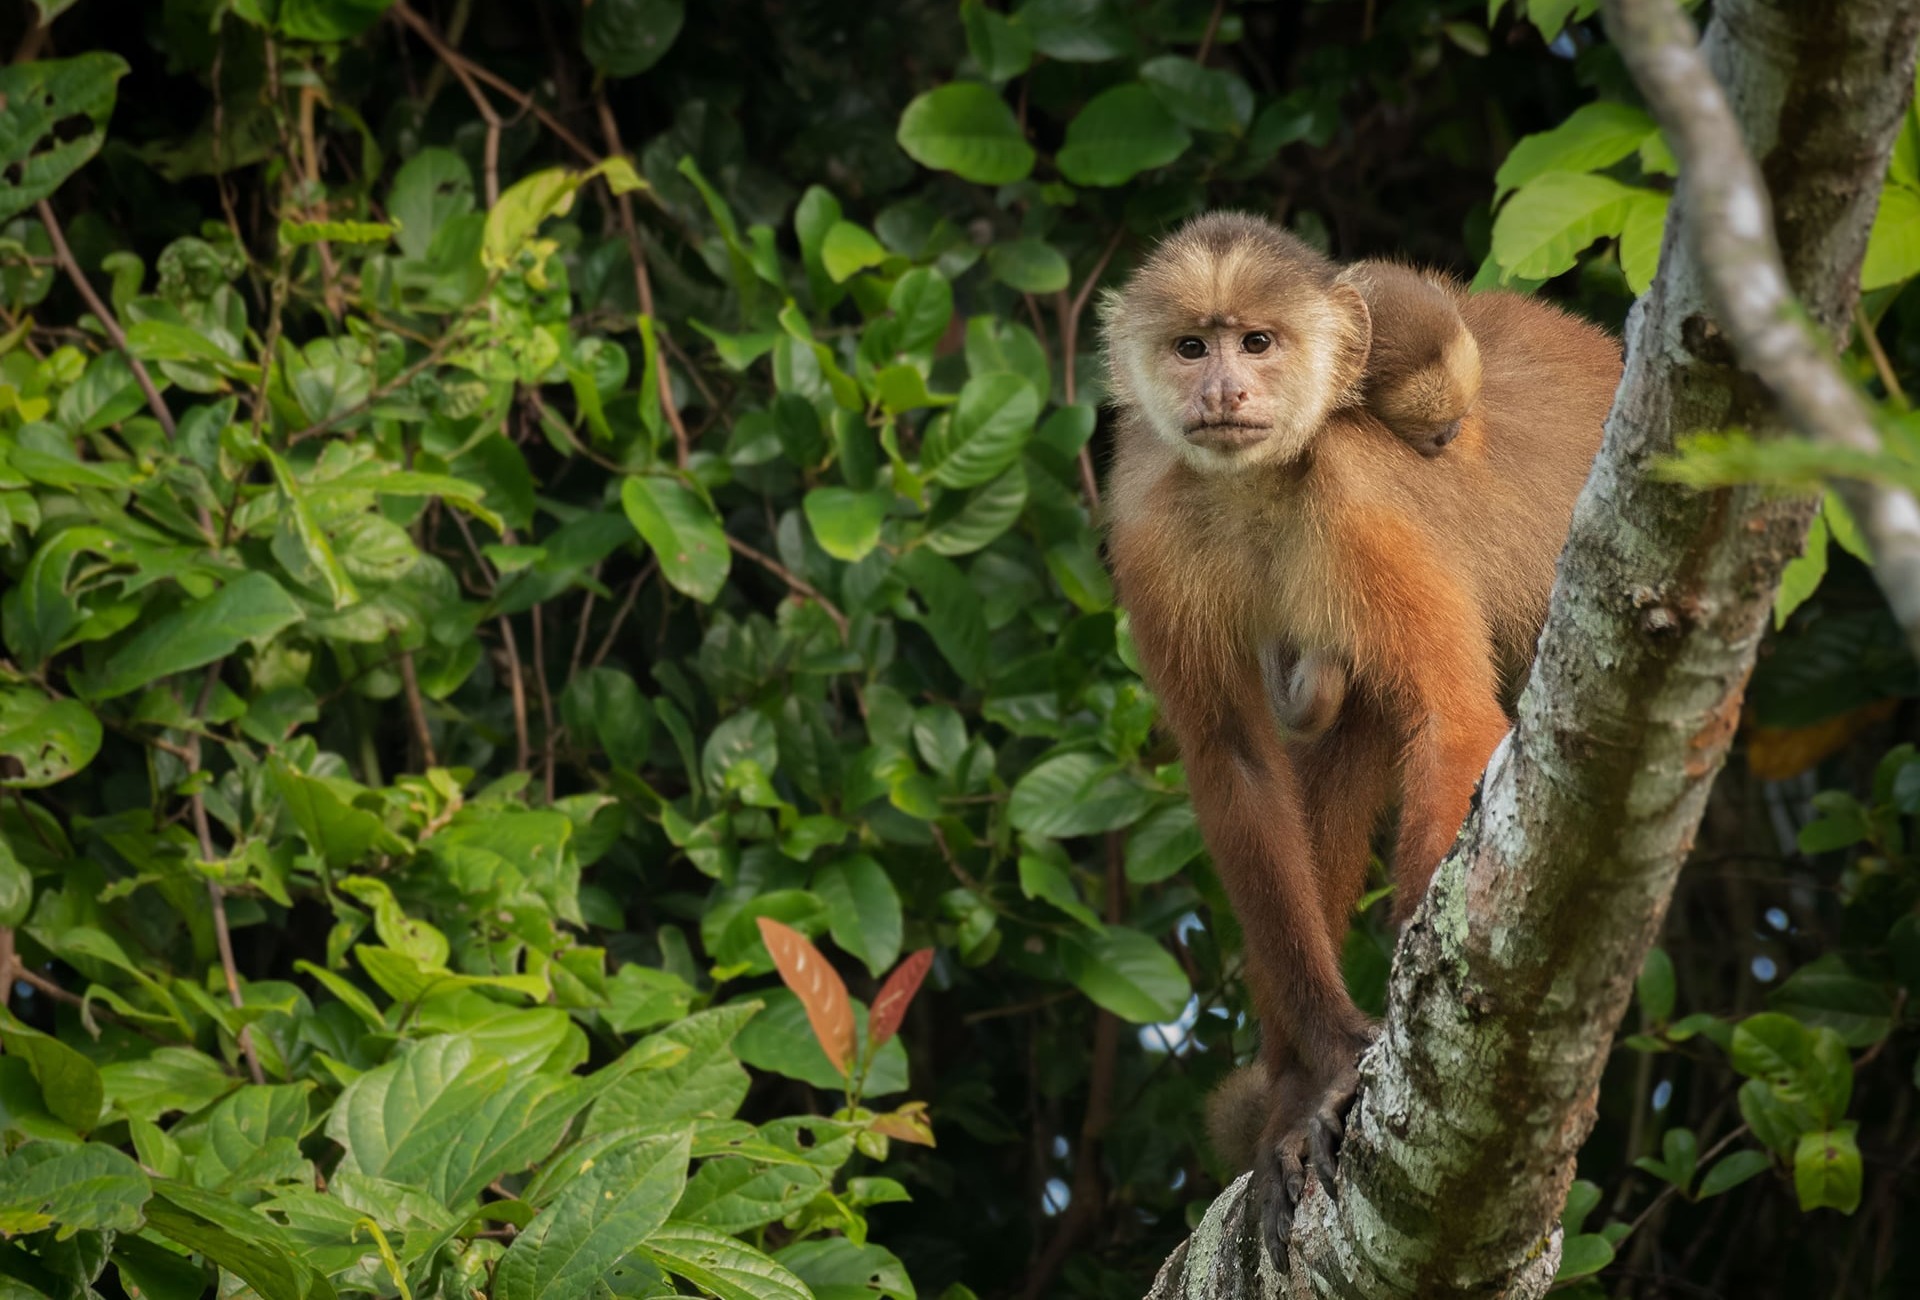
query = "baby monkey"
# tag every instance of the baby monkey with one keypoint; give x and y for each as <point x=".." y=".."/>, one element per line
<point x="1336" y="504"/>
<point x="1422" y="377"/>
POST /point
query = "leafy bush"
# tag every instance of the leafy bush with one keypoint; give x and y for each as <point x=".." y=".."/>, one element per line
<point x="482" y="594"/>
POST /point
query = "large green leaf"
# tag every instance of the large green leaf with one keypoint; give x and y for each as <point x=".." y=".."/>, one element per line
<point x="683" y="532"/>
<point x="37" y="151"/>
<point x="985" y="432"/>
<point x="1029" y="265"/>
<point x="952" y="613"/>
<point x="1127" y="973"/>
<point x="70" y="1187"/>
<point x="846" y="523"/>
<point x="1593" y="136"/>
<point x="1544" y="227"/>
<point x="730" y="1269"/>
<point x="253" y="607"/>
<point x="1077" y="794"/>
<point x="967" y="129"/>
<point x="1893" y="247"/>
<point x="68" y="1081"/>
<point x="863" y="910"/>
<point x="623" y="38"/>
<point x="706" y="1083"/>
<point x="1206" y="99"/>
<point x="1122" y="132"/>
<point x="450" y="1117"/>
<point x="596" y="1220"/>
<point x="43" y="741"/>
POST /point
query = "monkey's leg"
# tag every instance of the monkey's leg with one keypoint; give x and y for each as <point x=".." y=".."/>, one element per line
<point x="1442" y="763"/>
<point x="1345" y="777"/>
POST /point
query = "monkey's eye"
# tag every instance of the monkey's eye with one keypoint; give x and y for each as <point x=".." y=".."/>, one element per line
<point x="1257" y="342"/>
<point x="1190" y="348"/>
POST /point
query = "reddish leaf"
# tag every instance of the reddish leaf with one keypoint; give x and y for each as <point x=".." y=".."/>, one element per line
<point x="908" y="1124"/>
<point x="818" y="987"/>
<point x="896" y="995"/>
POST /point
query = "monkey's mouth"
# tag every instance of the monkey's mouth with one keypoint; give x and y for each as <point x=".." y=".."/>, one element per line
<point x="1227" y="435"/>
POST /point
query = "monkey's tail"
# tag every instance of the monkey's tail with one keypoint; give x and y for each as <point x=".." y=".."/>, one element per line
<point x="1236" y="1113"/>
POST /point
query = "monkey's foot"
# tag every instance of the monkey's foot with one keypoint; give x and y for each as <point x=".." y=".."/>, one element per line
<point x="1309" y="1140"/>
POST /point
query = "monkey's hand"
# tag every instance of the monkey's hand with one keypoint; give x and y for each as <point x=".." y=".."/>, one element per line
<point x="1308" y="1122"/>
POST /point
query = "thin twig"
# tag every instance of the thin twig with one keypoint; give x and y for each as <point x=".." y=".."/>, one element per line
<point x="547" y="734"/>
<point x="586" y="625"/>
<point x="1870" y="336"/>
<point x="793" y="580"/>
<point x="1213" y="28"/>
<point x="461" y="63"/>
<point x="6" y="966"/>
<point x="417" y="709"/>
<point x="643" y="285"/>
<point x="216" y="897"/>
<point x="1070" y="310"/>
<point x="111" y="324"/>
<point x="620" y="614"/>
<point x="516" y="678"/>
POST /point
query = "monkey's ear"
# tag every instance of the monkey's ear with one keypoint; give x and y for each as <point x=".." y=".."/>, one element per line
<point x="1352" y="340"/>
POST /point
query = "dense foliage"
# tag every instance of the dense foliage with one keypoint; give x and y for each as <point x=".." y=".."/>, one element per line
<point x="517" y="519"/>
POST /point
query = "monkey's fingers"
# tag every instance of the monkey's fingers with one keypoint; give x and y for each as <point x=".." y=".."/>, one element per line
<point x="1282" y="1182"/>
<point x="1329" y="1125"/>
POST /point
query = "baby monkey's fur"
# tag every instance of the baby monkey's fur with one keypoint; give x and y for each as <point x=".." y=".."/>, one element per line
<point x="1271" y="534"/>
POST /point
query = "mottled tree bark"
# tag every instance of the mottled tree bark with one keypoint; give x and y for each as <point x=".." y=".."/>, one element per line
<point x="1513" y="975"/>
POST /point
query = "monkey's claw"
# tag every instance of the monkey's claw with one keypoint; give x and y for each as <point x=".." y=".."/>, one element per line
<point x="1312" y="1143"/>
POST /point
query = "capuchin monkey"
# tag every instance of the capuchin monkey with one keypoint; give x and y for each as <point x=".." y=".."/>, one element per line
<point x="1284" y="554"/>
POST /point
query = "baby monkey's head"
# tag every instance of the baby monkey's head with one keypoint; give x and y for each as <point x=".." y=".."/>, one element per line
<point x="1235" y="340"/>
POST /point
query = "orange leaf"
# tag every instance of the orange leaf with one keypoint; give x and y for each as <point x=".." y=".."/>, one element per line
<point x="818" y="987"/>
<point x="908" y="1124"/>
<point x="896" y="995"/>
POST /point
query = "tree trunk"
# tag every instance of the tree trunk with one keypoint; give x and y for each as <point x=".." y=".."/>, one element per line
<point x="1511" y="978"/>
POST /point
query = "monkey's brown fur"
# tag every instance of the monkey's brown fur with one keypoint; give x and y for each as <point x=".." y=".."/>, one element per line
<point x="1259" y="511"/>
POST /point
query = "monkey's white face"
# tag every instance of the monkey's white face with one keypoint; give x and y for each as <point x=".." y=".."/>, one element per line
<point x="1228" y="391"/>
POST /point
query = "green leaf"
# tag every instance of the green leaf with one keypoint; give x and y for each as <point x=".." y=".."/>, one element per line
<point x="172" y="1078"/>
<point x="1206" y="99"/>
<point x="1824" y="993"/>
<point x="953" y="615"/>
<point x="730" y="1269"/>
<point x="1826" y="1169"/>
<point x="682" y="530"/>
<point x="1543" y="228"/>
<point x="987" y="513"/>
<point x="1656" y="987"/>
<point x="1640" y="236"/>
<point x="1122" y="132"/>
<point x="1077" y="794"/>
<point x="246" y="1244"/>
<point x="253" y="607"/>
<point x="1029" y="265"/>
<point x="71" y="1188"/>
<point x="37" y="150"/>
<point x="517" y="214"/>
<point x="848" y="249"/>
<point x="863" y="910"/>
<point x="846" y="523"/>
<point x="1163" y="843"/>
<point x="1046" y="880"/>
<point x="965" y="128"/>
<point x="1594" y="136"/>
<point x="450" y="1117"/>
<point x="835" y="1268"/>
<point x="602" y="1214"/>
<point x="606" y="705"/>
<point x="1583" y="1256"/>
<point x="323" y="808"/>
<point x="922" y="302"/>
<point x="1893" y="246"/>
<point x="43" y="741"/>
<point x="707" y="1083"/>
<point x="1730" y="1172"/>
<point x="68" y="1081"/>
<point x="782" y="1041"/>
<point x="16" y="887"/>
<point x="1129" y="974"/>
<point x="623" y="38"/>
<point x="1001" y="45"/>
<point x="987" y="429"/>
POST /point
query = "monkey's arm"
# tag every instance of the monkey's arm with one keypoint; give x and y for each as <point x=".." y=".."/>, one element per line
<point x="1431" y="652"/>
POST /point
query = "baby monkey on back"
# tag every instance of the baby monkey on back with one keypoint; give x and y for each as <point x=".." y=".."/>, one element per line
<point x="1336" y="502"/>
